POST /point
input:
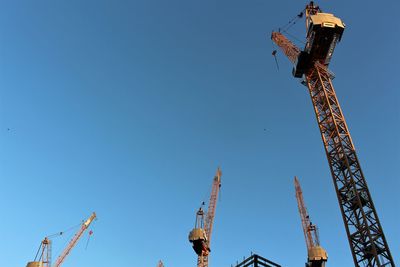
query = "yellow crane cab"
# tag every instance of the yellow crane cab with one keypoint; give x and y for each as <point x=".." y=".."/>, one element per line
<point x="324" y="31"/>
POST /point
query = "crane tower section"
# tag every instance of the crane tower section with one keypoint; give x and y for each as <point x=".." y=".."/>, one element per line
<point x="364" y="231"/>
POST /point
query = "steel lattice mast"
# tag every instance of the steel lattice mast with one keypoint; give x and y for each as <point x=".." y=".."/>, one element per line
<point x="364" y="231"/>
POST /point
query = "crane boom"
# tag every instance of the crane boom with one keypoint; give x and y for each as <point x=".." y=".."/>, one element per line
<point x="309" y="229"/>
<point x="316" y="255"/>
<point x="365" y="234"/>
<point x="74" y="240"/>
<point x="202" y="260"/>
<point x="212" y="205"/>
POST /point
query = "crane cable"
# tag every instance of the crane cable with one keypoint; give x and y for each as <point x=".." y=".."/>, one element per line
<point x="63" y="232"/>
<point x="37" y="253"/>
<point x="68" y="238"/>
<point x="274" y="51"/>
<point x="89" y="235"/>
<point x="292" y="22"/>
<point x="51" y="236"/>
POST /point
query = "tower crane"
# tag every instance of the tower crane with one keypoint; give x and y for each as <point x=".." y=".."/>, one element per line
<point x="364" y="231"/>
<point x="200" y="236"/>
<point x="44" y="259"/>
<point x="317" y="256"/>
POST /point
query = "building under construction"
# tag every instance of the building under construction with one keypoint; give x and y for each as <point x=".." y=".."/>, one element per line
<point x="256" y="261"/>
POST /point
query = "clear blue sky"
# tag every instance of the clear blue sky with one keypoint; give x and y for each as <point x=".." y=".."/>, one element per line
<point x="127" y="108"/>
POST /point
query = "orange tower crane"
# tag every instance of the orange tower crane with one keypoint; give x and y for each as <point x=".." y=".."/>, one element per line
<point x="200" y="236"/>
<point x="364" y="231"/>
<point x="45" y="248"/>
<point x="317" y="256"/>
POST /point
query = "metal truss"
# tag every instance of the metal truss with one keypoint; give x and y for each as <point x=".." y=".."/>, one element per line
<point x="257" y="261"/>
<point x="367" y="240"/>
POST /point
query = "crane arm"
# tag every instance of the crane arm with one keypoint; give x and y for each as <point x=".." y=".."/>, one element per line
<point x="74" y="240"/>
<point x="310" y="231"/>
<point x="213" y="204"/>
<point x="288" y="48"/>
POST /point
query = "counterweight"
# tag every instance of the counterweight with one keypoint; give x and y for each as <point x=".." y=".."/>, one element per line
<point x="364" y="231"/>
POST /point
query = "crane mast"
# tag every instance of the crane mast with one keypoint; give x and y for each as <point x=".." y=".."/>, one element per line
<point x="74" y="240"/>
<point x="317" y="256"/>
<point x="365" y="234"/>
<point x="200" y="236"/>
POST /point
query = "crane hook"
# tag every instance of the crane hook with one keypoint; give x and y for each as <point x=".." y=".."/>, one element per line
<point x="276" y="59"/>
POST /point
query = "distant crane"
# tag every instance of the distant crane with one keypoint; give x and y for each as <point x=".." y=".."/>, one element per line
<point x="200" y="236"/>
<point x="44" y="259"/>
<point x="364" y="231"/>
<point x="317" y="256"/>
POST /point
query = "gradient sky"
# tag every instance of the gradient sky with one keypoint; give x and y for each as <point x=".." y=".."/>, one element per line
<point x="127" y="108"/>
